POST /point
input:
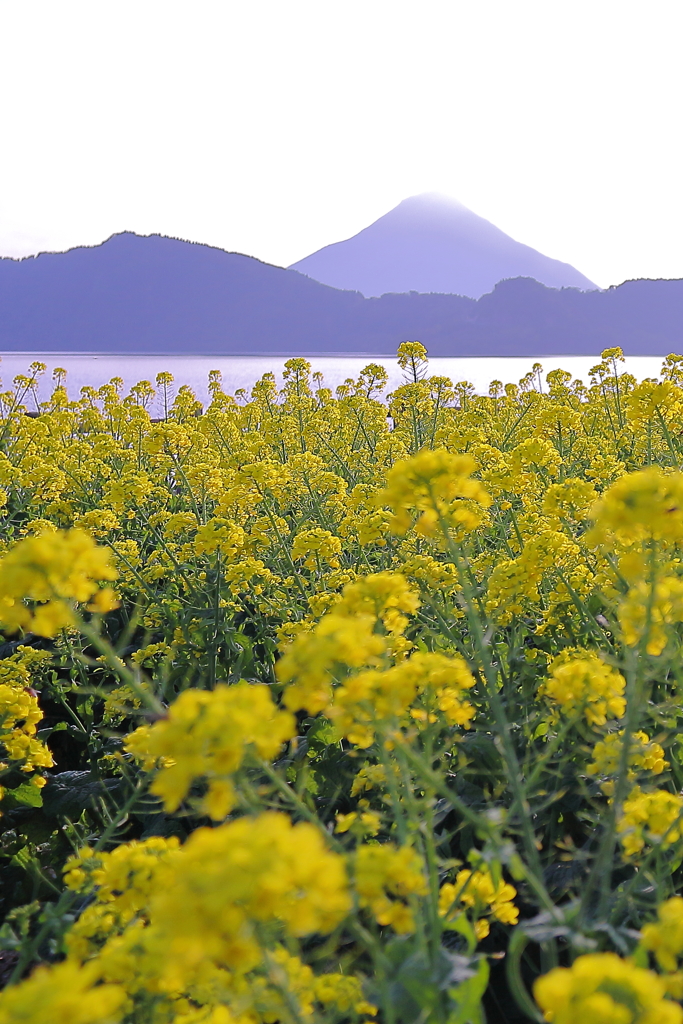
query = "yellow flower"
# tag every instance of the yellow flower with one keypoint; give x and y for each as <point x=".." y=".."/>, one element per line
<point x="585" y="685"/>
<point x="345" y="638"/>
<point x="535" y="451"/>
<point x="514" y="583"/>
<point x="98" y="522"/>
<point x="205" y="736"/>
<point x="570" y="500"/>
<point x="123" y="882"/>
<point x="342" y="991"/>
<point x="387" y="596"/>
<point x="308" y="664"/>
<point x="365" y="823"/>
<point x="372" y="697"/>
<point x="645" y="504"/>
<point x="644" y="754"/>
<point x="317" y="546"/>
<point x="411" y="355"/>
<point x="601" y="988"/>
<point x="476" y="891"/>
<point x="226" y="879"/>
<point x="64" y="994"/>
<point x="654" y="818"/>
<point x="665" y="936"/>
<point x="385" y="877"/>
<point x="171" y="921"/>
<point x="646" y="611"/>
<point x="650" y="400"/>
<point x="434" y="485"/>
<point x="52" y="571"/>
<point x="219" y="535"/>
<point x="370" y="776"/>
<point x="19" y="718"/>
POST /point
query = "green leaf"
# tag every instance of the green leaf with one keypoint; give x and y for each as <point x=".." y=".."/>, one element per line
<point x="322" y="733"/>
<point x="44" y="734"/>
<point x="160" y="824"/>
<point x="22" y="858"/>
<point x="27" y="795"/>
<point x="461" y="925"/>
<point x="640" y="957"/>
<point x="70" y="793"/>
<point x="468" y="995"/>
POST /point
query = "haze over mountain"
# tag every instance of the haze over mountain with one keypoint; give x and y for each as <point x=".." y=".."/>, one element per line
<point x="139" y="295"/>
<point x="430" y="243"/>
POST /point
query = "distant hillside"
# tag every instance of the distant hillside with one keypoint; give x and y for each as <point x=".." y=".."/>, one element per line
<point x="160" y="295"/>
<point x="431" y="243"/>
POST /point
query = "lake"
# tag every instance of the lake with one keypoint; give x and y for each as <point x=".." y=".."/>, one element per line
<point x="244" y="371"/>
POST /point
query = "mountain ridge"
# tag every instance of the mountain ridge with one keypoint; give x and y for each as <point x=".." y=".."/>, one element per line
<point x="433" y="244"/>
<point x="157" y="295"/>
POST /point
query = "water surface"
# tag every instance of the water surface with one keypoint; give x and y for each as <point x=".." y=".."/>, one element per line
<point x="241" y="372"/>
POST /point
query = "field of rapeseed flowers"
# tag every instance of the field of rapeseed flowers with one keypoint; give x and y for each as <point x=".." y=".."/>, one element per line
<point x="329" y="708"/>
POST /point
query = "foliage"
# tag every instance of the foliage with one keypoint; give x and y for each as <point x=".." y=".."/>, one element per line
<point x="326" y="707"/>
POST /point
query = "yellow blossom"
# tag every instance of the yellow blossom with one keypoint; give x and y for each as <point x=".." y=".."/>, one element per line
<point x="371" y="697"/>
<point x="53" y="571"/>
<point x="585" y="685"/>
<point x="654" y="818"/>
<point x="664" y="937"/>
<point x="205" y="736"/>
<point x="601" y="988"/>
<point x="645" y="504"/>
<point x="316" y="547"/>
<point x="647" y="610"/>
<point x="64" y="994"/>
<point x="644" y="755"/>
<point x="477" y="892"/>
<point x="385" y="876"/>
<point x="434" y="485"/>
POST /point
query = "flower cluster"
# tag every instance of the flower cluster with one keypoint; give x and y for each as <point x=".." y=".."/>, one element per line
<point x="386" y="878"/>
<point x="437" y="487"/>
<point x="20" y="715"/>
<point x="644" y="755"/>
<point x="650" y="819"/>
<point x="53" y="571"/>
<point x="640" y="506"/>
<point x="585" y="686"/>
<point x="601" y="987"/>
<point x="664" y="938"/>
<point x="372" y="697"/>
<point x="206" y="736"/>
<point x="648" y="609"/>
<point x="482" y="896"/>
<point x="174" y="921"/>
<point x="347" y="637"/>
<point x="66" y="994"/>
<point x="382" y="673"/>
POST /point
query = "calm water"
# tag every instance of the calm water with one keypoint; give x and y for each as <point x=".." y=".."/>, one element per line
<point x="243" y="371"/>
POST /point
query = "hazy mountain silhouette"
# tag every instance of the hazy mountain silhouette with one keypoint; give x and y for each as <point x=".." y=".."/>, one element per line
<point x="430" y="243"/>
<point x="134" y="294"/>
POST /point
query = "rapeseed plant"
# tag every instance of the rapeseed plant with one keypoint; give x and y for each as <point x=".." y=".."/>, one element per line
<point x="326" y="707"/>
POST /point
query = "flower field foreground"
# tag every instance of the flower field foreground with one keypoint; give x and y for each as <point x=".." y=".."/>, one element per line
<point x="343" y="708"/>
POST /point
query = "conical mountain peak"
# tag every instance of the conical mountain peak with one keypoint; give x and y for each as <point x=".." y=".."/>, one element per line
<point x="432" y="243"/>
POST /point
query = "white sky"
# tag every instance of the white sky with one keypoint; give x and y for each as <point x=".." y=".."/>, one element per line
<point x="273" y="127"/>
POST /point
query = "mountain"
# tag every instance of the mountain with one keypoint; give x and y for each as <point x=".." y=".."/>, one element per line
<point x="431" y="243"/>
<point x="137" y="294"/>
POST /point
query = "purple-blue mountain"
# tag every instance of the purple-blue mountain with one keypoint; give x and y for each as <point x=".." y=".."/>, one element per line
<point x="430" y="243"/>
<point x="153" y="294"/>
